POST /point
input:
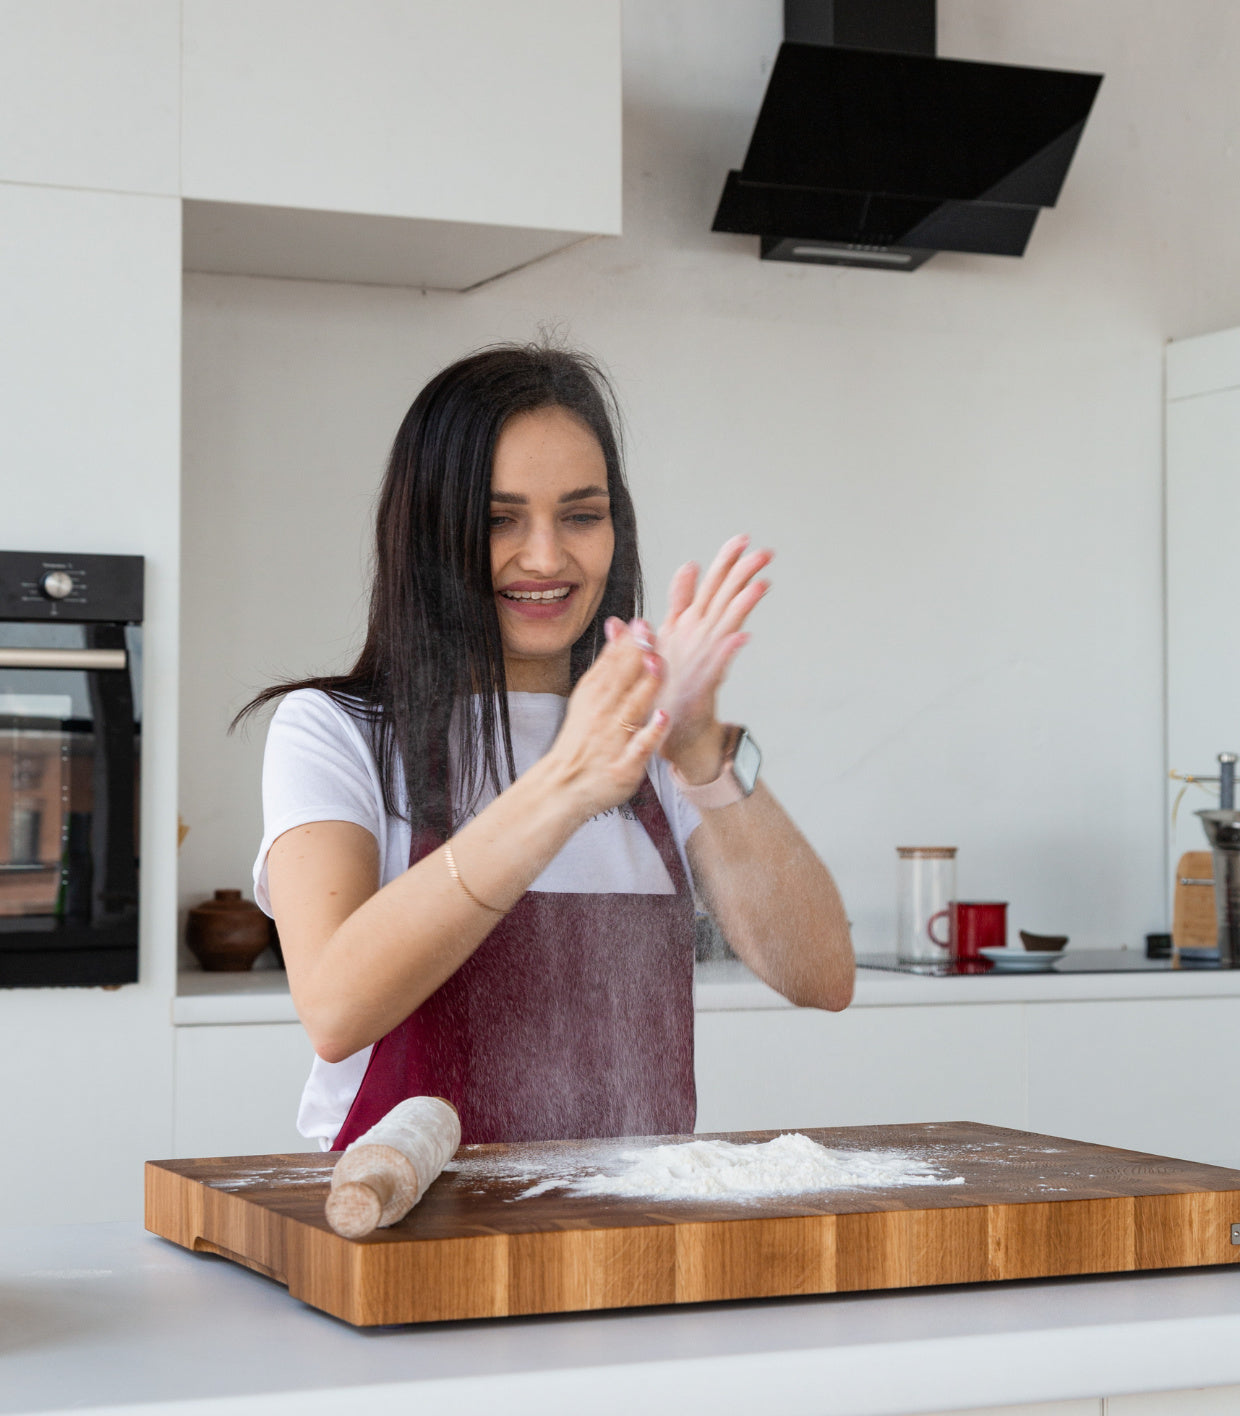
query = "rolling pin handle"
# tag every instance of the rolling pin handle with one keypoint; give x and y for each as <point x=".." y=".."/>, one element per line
<point x="355" y="1208"/>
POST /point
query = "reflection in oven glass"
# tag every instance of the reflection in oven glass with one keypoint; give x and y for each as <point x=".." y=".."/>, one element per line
<point x="34" y="801"/>
<point x="46" y="788"/>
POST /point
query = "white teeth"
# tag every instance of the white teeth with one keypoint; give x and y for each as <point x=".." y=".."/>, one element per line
<point x="536" y="594"/>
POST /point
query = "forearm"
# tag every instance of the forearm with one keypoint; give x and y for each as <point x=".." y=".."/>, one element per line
<point x="360" y="958"/>
<point x="774" y="900"/>
<point x="397" y="947"/>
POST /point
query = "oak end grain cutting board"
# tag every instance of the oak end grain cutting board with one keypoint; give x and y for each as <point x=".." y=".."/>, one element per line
<point x="1029" y="1206"/>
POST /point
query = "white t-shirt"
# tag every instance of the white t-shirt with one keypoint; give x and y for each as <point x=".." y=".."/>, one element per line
<point x="318" y="766"/>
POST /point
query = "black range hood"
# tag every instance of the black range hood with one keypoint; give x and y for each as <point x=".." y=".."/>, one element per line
<point x="880" y="157"/>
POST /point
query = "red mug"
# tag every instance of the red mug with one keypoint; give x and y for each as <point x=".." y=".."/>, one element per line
<point x="972" y="925"/>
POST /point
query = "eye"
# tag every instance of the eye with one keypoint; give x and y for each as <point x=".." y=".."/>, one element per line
<point x="585" y="518"/>
<point x="498" y="519"/>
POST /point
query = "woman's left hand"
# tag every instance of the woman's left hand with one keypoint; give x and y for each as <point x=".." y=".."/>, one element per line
<point x="697" y="640"/>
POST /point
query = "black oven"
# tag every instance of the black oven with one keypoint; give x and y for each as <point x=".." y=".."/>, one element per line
<point x="70" y="729"/>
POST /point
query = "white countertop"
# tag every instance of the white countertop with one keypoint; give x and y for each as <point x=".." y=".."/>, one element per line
<point x="728" y="986"/>
<point x="107" y="1316"/>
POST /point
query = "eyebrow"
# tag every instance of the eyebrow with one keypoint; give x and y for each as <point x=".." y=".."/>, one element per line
<point x="581" y="494"/>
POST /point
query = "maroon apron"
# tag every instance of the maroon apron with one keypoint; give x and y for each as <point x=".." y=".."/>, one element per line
<point x="572" y="1019"/>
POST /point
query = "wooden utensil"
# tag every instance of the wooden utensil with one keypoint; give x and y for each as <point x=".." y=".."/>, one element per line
<point x="1030" y="1207"/>
<point x="384" y="1173"/>
<point x="1194" y="923"/>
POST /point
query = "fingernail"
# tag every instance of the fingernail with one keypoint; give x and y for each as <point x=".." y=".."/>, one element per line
<point x="653" y="664"/>
<point x="610" y="625"/>
<point x="660" y="717"/>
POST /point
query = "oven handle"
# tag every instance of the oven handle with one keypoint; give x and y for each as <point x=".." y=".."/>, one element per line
<point x="62" y="658"/>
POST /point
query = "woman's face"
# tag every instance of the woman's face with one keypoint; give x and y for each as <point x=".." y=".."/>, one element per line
<point x="551" y="543"/>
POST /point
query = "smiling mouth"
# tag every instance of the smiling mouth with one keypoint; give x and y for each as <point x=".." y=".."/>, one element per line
<point x="538" y="595"/>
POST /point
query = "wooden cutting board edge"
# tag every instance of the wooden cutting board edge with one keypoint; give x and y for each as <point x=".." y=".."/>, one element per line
<point x="497" y="1275"/>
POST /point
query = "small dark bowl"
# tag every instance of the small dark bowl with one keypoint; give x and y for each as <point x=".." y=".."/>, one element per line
<point x="1043" y="943"/>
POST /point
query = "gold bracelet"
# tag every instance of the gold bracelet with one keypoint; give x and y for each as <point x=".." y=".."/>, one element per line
<point x="456" y="875"/>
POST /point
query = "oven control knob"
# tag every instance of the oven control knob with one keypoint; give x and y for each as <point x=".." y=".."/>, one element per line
<point x="56" y="584"/>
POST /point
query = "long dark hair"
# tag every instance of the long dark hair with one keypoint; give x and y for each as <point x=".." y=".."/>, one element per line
<point x="433" y="635"/>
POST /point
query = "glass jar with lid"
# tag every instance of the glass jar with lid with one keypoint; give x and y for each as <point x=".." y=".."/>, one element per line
<point x="925" y="889"/>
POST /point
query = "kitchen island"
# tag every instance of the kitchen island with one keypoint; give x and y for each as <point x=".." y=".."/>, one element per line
<point x="107" y="1317"/>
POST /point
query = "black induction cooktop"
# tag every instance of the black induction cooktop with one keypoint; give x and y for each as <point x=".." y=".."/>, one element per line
<point x="1070" y="961"/>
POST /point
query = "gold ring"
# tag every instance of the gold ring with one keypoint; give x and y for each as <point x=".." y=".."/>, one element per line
<point x="630" y="727"/>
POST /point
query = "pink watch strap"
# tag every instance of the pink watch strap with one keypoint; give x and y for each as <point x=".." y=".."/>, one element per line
<point x="723" y="791"/>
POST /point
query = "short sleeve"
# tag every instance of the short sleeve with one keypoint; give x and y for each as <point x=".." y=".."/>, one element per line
<point x="317" y="766"/>
<point x="688" y="817"/>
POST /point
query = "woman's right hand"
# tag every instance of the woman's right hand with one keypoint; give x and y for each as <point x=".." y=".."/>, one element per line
<point x="609" y="732"/>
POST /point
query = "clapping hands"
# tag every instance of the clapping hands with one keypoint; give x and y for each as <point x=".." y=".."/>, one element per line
<point x="697" y="641"/>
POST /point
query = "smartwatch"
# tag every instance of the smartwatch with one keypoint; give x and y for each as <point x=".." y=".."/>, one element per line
<point x="737" y="777"/>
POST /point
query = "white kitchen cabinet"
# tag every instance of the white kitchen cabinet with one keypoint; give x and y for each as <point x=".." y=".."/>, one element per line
<point x="90" y="307"/>
<point x="1216" y="1401"/>
<point x="1152" y="1076"/>
<point x="407" y="142"/>
<point x="89" y="94"/>
<point x="1150" y="1069"/>
<point x="1204" y="1401"/>
<point x="1140" y="1061"/>
<point x="237" y="1085"/>
<point x="1088" y="1407"/>
<point x="237" y="1089"/>
<point x="400" y="141"/>
<point x="866" y="1066"/>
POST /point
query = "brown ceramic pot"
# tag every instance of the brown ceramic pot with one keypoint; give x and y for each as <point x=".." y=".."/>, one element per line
<point x="227" y="934"/>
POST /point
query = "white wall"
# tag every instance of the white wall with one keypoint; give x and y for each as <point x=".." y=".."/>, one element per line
<point x="960" y="469"/>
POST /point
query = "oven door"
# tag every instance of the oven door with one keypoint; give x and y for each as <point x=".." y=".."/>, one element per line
<point x="69" y="774"/>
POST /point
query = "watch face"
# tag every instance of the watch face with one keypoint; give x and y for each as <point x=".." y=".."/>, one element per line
<point x="745" y="763"/>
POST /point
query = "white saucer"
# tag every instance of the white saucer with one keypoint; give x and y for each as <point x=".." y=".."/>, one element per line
<point x="1021" y="960"/>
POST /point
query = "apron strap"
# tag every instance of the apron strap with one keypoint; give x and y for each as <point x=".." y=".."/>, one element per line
<point x="649" y="811"/>
<point x="646" y="807"/>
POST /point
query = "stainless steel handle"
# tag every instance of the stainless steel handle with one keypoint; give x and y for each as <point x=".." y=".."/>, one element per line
<point x="62" y="658"/>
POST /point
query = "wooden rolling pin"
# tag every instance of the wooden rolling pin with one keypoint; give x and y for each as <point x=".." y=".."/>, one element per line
<point x="384" y="1173"/>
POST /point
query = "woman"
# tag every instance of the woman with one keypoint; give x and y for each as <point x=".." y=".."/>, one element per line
<point x="479" y="842"/>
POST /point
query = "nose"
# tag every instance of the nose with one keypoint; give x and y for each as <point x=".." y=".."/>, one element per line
<point x="542" y="552"/>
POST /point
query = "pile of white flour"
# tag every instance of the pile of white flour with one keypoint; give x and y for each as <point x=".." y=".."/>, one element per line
<point x="791" y="1164"/>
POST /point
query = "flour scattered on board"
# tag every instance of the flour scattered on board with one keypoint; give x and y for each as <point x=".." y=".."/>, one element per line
<point x="270" y="1176"/>
<point x="791" y="1164"/>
